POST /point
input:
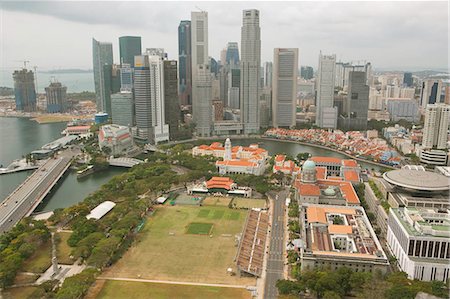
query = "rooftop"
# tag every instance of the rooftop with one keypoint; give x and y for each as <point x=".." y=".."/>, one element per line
<point x="424" y="221"/>
<point x="417" y="180"/>
<point x="101" y="210"/>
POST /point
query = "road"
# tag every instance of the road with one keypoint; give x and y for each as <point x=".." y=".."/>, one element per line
<point x="25" y="198"/>
<point x="275" y="261"/>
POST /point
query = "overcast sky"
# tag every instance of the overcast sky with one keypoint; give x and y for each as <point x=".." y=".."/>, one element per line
<point x="389" y="34"/>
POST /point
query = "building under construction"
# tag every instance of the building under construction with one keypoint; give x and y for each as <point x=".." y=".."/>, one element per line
<point x="24" y="90"/>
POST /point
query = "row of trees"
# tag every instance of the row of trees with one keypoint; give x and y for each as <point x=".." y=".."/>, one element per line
<point x="344" y="282"/>
<point x="19" y="244"/>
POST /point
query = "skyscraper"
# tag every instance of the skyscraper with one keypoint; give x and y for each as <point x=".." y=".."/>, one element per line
<point x="24" y="90"/>
<point x="268" y="70"/>
<point x="232" y="58"/>
<point x="435" y="126"/>
<point x="285" y="70"/>
<point x="250" y="71"/>
<point x="129" y="46"/>
<point x="408" y="79"/>
<point x="307" y="72"/>
<point x="56" y="97"/>
<point x="184" y="63"/>
<point x="126" y="77"/>
<point x="356" y="105"/>
<point x="122" y="108"/>
<point x="326" y="113"/>
<point x="172" y="105"/>
<point x="201" y="74"/>
<point x="234" y="81"/>
<point x="431" y="92"/>
<point x="102" y="56"/>
<point x="149" y="97"/>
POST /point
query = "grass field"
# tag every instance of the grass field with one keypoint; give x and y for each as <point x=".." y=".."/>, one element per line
<point x="18" y="293"/>
<point x="163" y="250"/>
<point x="248" y="203"/>
<point x="217" y="201"/>
<point x="197" y="228"/>
<point x="40" y="260"/>
<point x="137" y="290"/>
<point x="63" y="250"/>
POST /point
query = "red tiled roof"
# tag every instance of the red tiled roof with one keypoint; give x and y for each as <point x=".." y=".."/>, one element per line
<point x="321" y="173"/>
<point x="309" y="190"/>
<point x="242" y="162"/>
<point x="326" y="160"/>
<point x="220" y="182"/>
<point x="351" y="175"/>
<point x="349" y="163"/>
<point x="280" y="158"/>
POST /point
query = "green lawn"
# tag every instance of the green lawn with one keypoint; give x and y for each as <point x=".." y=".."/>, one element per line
<point x="40" y="260"/>
<point x="164" y="251"/>
<point x="248" y="203"/>
<point x="18" y="293"/>
<point x="197" y="228"/>
<point x="63" y="250"/>
<point x="137" y="290"/>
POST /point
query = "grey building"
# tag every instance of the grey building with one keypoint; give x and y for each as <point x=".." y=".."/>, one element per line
<point x="326" y="113"/>
<point x="129" y="46"/>
<point x="250" y="71"/>
<point x="24" y="90"/>
<point x="201" y="74"/>
<point x="232" y="58"/>
<point x="102" y="56"/>
<point x="234" y="81"/>
<point x="285" y="70"/>
<point x="307" y="72"/>
<point x="268" y="70"/>
<point x="122" y="108"/>
<point x="408" y="79"/>
<point x="401" y="108"/>
<point x="184" y="63"/>
<point x="56" y="95"/>
<point x="172" y="105"/>
<point x="356" y="105"/>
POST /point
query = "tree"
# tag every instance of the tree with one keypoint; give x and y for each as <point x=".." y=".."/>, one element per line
<point x="286" y="287"/>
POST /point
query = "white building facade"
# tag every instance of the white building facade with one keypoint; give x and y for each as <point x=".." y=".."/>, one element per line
<point x="326" y="113"/>
<point x="436" y="126"/>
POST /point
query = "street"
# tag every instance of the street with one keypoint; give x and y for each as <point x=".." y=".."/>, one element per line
<point x="275" y="261"/>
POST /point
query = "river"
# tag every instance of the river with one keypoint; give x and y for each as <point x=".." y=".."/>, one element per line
<point x="19" y="136"/>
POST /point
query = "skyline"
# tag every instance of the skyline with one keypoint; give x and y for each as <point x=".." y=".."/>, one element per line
<point x="385" y="34"/>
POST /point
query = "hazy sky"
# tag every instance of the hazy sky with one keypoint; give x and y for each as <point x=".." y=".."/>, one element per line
<point x="389" y="34"/>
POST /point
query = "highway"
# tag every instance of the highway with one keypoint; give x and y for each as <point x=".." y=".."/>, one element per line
<point x="275" y="261"/>
<point x="27" y="196"/>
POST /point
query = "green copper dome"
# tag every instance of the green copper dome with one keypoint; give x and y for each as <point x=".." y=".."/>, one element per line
<point x="329" y="191"/>
<point x="309" y="165"/>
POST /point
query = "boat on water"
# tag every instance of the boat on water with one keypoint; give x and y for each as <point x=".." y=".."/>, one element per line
<point x="84" y="172"/>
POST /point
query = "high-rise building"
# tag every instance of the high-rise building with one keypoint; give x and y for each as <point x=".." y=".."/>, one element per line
<point x="268" y="70"/>
<point x="435" y="127"/>
<point x="102" y="56"/>
<point x="184" y="63"/>
<point x="250" y="71"/>
<point x="430" y="93"/>
<point x="234" y="81"/>
<point x="24" y="90"/>
<point x="408" y="79"/>
<point x="403" y="108"/>
<point x="129" y="46"/>
<point x="172" y="105"/>
<point x="122" y="108"/>
<point x="201" y="74"/>
<point x="326" y="113"/>
<point x="56" y="97"/>
<point x="149" y="97"/>
<point x="218" y="110"/>
<point x="126" y="77"/>
<point x="285" y="70"/>
<point x="232" y="58"/>
<point x="307" y="72"/>
<point x="356" y="105"/>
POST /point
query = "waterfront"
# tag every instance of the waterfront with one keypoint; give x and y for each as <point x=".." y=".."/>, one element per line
<point x="20" y="136"/>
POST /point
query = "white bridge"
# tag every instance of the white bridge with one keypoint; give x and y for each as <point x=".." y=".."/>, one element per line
<point x="124" y="162"/>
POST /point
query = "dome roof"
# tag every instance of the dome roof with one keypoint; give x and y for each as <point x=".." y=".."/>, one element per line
<point x="309" y="164"/>
<point x="329" y="191"/>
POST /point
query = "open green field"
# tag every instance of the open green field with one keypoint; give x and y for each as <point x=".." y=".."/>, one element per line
<point x="164" y="251"/>
<point x="137" y="290"/>
<point x="197" y="228"/>
<point x="217" y="201"/>
<point x="63" y="250"/>
<point x="18" y="293"/>
<point x="40" y="260"/>
<point x="248" y="203"/>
